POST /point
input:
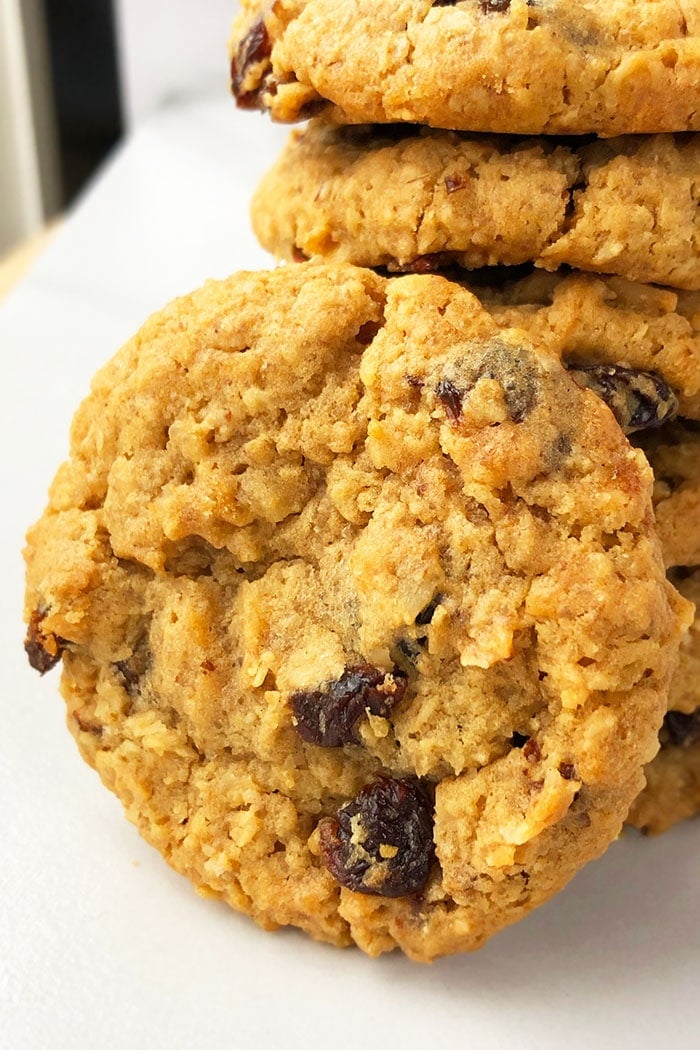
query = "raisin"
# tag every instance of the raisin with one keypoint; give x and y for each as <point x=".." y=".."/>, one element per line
<point x="638" y="400"/>
<point x="455" y="182"/>
<point x="415" y="382"/>
<point x="532" y="750"/>
<point x="382" y="841"/>
<point x="567" y="770"/>
<point x="328" y="716"/>
<point x="131" y="671"/>
<point x="451" y="397"/>
<point x="411" y="648"/>
<point x="254" y="48"/>
<point x="680" y="730"/>
<point x="88" y="727"/>
<point x="43" y="649"/>
<point x="487" y="6"/>
<point x="501" y="363"/>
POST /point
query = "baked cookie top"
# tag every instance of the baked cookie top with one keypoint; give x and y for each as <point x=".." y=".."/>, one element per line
<point x="404" y="198"/>
<point x="589" y="320"/>
<point x="361" y="609"/>
<point x="611" y="67"/>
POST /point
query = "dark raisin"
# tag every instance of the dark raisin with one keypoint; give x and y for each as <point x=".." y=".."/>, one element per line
<point x="487" y="6"/>
<point x="329" y="715"/>
<point x="382" y="841"/>
<point x="130" y="672"/>
<point x="680" y="730"/>
<point x="411" y="648"/>
<point x="567" y="770"/>
<point x="455" y="182"/>
<point x="254" y="48"/>
<point x="451" y="397"/>
<point x="532" y="750"/>
<point x="88" y="727"/>
<point x="638" y="400"/>
<point x="499" y="362"/>
<point x="42" y="648"/>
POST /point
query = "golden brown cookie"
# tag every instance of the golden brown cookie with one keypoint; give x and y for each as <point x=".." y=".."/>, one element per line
<point x="405" y="198"/>
<point x="672" y="792"/>
<point x="360" y="606"/>
<point x="526" y="66"/>
<point x="590" y="320"/>
<point x="674" y="454"/>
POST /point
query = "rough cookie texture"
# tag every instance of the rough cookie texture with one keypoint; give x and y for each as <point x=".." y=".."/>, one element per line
<point x="673" y="777"/>
<point x="610" y="321"/>
<point x="674" y="455"/>
<point x="392" y="197"/>
<point x="580" y="317"/>
<point x="292" y="477"/>
<point x="529" y="66"/>
<point x="672" y="792"/>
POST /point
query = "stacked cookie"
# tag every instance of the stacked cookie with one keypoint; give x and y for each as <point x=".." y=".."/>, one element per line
<point x="390" y="175"/>
<point x="359" y="587"/>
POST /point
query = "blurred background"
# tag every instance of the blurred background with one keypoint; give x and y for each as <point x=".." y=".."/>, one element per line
<point x="76" y="76"/>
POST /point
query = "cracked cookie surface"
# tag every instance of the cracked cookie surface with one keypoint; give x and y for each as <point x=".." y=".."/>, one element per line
<point x="610" y="67"/>
<point x="360" y="606"/>
<point x="405" y="197"/>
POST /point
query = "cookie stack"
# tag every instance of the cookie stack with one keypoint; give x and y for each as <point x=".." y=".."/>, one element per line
<point x="558" y="235"/>
<point x="358" y="585"/>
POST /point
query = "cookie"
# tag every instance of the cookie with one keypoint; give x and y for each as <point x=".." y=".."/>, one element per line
<point x="360" y="606"/>
<point x="674" y="454"/>
<point x="588" y="320"/>
<point x="610" y="67"/>
<point x="401" y="197"/>
<point x="672" y="792"/>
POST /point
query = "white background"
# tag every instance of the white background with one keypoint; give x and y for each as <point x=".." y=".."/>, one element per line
<point x="168" y="48"/>
<point x="102" y="946"/>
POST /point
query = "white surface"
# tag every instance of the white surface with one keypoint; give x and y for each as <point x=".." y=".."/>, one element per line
<point x="103" y="947"/>
<point x="168" y="48"/>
